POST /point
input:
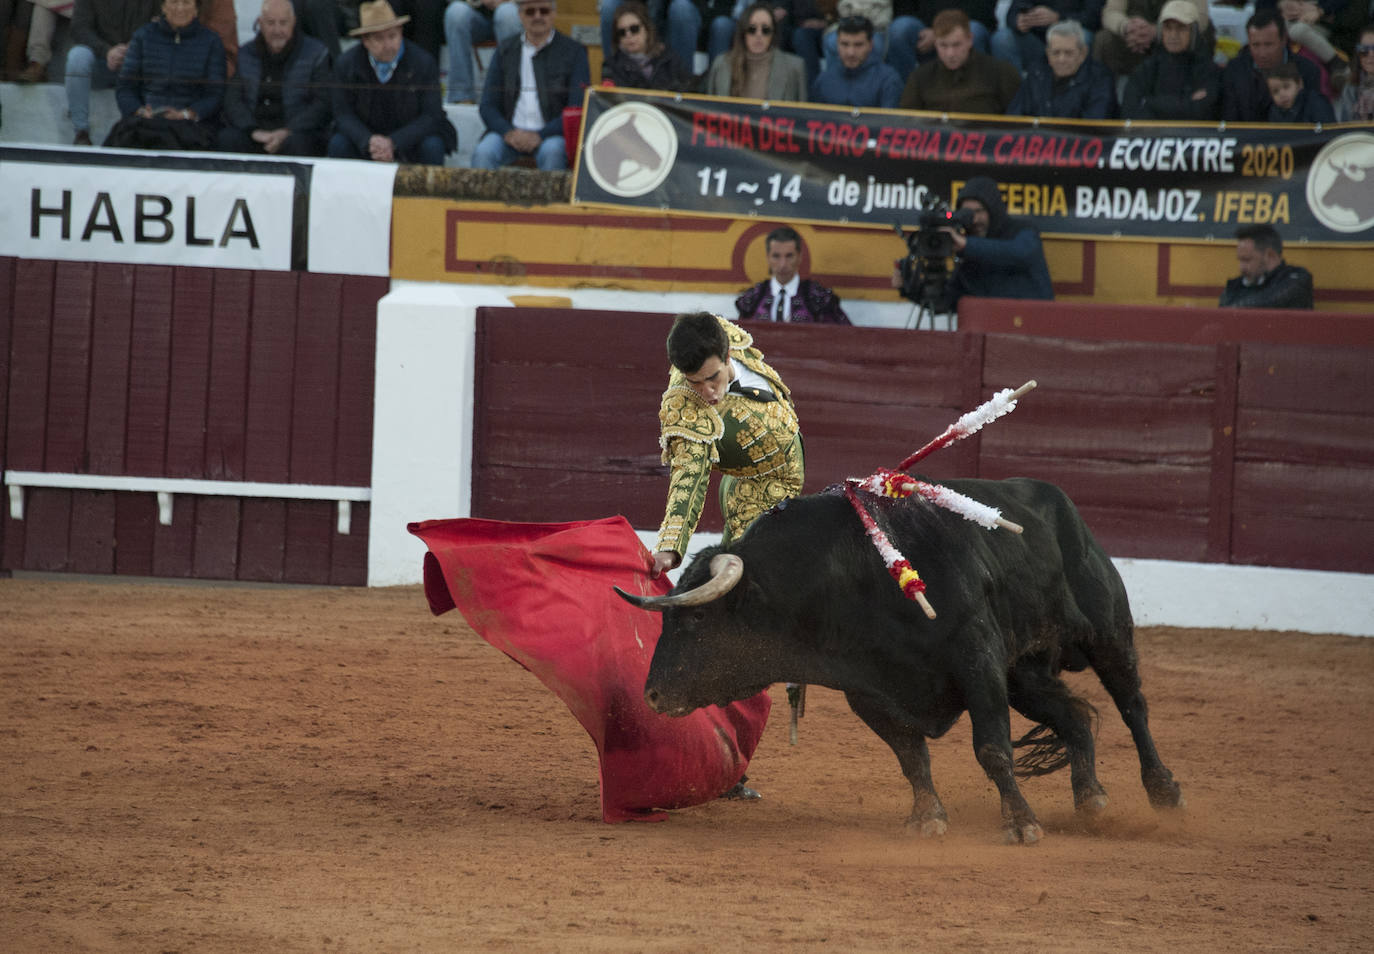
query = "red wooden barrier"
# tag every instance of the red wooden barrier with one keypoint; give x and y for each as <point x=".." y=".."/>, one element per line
<point x="194" y="373"/>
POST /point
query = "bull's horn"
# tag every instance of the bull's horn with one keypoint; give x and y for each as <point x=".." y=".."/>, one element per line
<point x="726" y="570"/>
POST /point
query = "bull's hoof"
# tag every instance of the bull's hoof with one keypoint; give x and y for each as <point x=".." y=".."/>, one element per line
<point x="927" y="827"/>
<point x="1093" y="805"/>
<point x="1166" y="795"/>
<point x="1025" y="834"/>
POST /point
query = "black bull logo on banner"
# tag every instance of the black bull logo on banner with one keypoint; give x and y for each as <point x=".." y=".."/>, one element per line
<point x="1352" y="190"/>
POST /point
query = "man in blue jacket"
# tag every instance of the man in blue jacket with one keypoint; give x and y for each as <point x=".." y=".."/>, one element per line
<point x="861" y="79"/>
<point x="532" y="79"/>
<point x="386" y="96"/>
<point x="278" y="101"/>
<point x="999" y="256"/>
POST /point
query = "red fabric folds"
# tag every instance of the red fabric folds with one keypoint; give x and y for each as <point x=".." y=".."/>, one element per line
<point x="541" y="593"/>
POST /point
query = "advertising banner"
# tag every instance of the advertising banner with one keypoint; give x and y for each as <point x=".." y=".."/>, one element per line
<point x="800" y="162"/>
<point x="209" y="211"/>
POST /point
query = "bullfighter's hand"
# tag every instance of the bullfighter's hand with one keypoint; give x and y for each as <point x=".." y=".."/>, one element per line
<point x="664" y="560"/>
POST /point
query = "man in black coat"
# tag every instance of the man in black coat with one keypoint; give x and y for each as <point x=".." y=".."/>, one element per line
<point x="1265" y="280"/>
<point x="278" y="101"/>
<point x="1178" y="80"/>
<point x="525" y="121"/>
<point x="386" y="96"/>
<point x="1244" y="90"/>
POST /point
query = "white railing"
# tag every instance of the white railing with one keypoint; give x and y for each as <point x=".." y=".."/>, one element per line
<point x="167" y="488"/>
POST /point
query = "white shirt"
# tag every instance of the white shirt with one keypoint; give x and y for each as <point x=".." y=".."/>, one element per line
<point x="528" y="115"/>
<point x="790" y="290"/>
<point x="750" y="378"/>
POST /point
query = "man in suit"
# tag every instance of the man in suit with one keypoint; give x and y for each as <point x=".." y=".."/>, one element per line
<point x="786" y="296"/>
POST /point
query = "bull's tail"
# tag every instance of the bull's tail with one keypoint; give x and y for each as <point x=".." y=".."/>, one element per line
<point x="1047" y="751"/>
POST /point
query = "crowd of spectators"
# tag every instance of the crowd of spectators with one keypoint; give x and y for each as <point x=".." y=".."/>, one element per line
<point x="304" y="86"/>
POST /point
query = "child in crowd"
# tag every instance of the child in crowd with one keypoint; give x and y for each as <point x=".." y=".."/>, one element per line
<point x="1292" y="103"/>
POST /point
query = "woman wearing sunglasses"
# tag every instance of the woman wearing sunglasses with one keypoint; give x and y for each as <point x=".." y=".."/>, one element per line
<point x="755" y="67"/>
<point x="640" y="60"/>
<point x="1357" y="99"/>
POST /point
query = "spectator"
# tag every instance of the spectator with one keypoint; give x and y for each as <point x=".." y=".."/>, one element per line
<point x="171" y="85"/>
<point x="526" y="119"/>
<point x="1065" y="83"/>
<point x="960" y="79"/>
<point x="809" y="26"/>
<point x="1130" y="33"/>
<point x="425" y="24"/>
<point x="785" y="295"/>
<point x="999" y="257"/>
<point x="1291" y="101"/>
<point x="278" y="104"/>
<point x="1177" y="80"/>
<point x="42" y="29"/>
<point x="16" y="17"/>
<point x="681" y="18"/>
<point x="320" y="19"/>
<point x="101" y="31"/>
<point x="755" y="67"/>
<point x="1357" y="99"/>
<point x="639" y="60"/>
<point x="1021" y="42"/>
<point x="474" y="21"/>
<point x="877" y="12"/>
<point x="860" y="78"/>
<point x="1265" y="280"/>
<point x="1309" y="26"/>
<point x="911" y="37"/>
<point x="386" y="96"/>
<point x="1244" y="90"/>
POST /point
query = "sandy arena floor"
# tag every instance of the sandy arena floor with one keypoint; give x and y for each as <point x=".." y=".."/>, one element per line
<point x="239" y="769"/>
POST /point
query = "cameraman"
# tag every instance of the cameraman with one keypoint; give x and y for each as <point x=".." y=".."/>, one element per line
<point x="997" y="257"/>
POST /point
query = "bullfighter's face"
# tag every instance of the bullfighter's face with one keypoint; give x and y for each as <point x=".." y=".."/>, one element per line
<point x="711" y="380"/>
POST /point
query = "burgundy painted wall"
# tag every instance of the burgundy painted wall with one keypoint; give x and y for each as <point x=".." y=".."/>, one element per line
<point x="186" y="372"/>
<point x="1247" y="453"/>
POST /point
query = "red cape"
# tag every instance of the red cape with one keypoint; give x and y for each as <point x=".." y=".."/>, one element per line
<point x="541" y="593"/>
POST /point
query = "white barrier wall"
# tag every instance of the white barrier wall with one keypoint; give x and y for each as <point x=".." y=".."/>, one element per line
<point x="422" y="469"/>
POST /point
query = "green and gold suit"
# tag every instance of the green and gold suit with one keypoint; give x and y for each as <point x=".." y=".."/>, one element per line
<point x="755" y="445"/>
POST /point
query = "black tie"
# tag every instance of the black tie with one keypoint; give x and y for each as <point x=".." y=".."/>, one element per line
<point x="780" y="315"/>
<point x="754" y="394"/>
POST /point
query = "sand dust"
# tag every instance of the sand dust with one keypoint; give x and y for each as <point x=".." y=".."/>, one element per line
<point x="244" y="769"/>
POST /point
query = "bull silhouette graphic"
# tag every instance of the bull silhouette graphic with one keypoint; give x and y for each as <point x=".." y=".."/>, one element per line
<point x="1353" y="190"/>
<point x="621" y="147"/>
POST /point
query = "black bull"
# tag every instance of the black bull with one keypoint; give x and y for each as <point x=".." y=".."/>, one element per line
<point x="804" y="597"/>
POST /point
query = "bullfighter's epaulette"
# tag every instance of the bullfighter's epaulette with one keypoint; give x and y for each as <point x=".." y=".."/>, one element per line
<point x="684" y="414"/>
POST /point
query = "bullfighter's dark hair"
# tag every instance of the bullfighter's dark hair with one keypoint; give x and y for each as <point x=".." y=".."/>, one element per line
<point x="783" y="233"/>
<point x="1265" y="237"/>
<point x="695" y="337"/>
<point x="1265" y="16"/>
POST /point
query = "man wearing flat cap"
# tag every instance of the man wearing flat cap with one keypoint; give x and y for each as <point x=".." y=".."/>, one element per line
<point x="387" y="106"/>
<point x="532" y="79"/>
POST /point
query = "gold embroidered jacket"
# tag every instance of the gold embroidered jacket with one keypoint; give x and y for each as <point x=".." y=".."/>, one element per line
<point x="755" y="445"/>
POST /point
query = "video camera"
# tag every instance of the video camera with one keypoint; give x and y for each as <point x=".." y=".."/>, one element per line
<point x="924" y="270"/>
